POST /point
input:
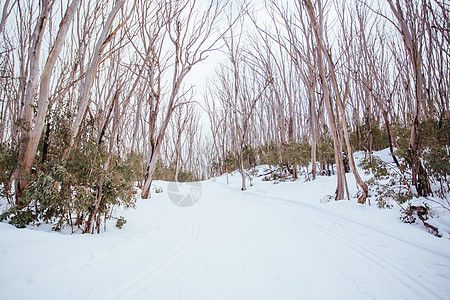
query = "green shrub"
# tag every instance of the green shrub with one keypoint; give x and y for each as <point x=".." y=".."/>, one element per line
<point x="297" y="153"/>
<point x="8" y="162"/>
<point x="374" y="165"/>
<point x="120" y="222"/>
<point x="386" y="185"/>
<point x="18" y="218"/>
<point x="326" y="151"/>
<point x="64" y="192"/>
<point x="435" y="135"/>
<point x="167" y="173"/>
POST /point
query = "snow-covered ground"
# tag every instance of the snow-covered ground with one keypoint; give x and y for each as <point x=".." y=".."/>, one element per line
<point x="274" y="241"/>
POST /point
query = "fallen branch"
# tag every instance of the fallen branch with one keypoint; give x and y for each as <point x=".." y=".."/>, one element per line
<point x="422" y="214"/>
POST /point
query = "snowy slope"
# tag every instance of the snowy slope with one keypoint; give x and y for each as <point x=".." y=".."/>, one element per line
<point x="270" y="242"/>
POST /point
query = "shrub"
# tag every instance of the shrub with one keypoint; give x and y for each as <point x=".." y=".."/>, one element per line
<point x="167" y="173"/>
<point x="374" y="165"/>
<point x="386" y="185"/>
<point x="287" y="156"/>
<point x="120" y="222"/>
<point x="18" y="218"/>
<point x="8" y="162"/>
<point x="64" y="192"/>
<point x="436" y="155"/>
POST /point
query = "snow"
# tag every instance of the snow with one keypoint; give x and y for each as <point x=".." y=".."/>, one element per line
<point x="274" y="241"/>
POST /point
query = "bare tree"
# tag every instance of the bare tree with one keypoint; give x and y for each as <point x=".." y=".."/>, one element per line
<point x="412" y="37"/>
<point x="84" y="99"/>
<point x="184" y="125"/>
<point x="191" y="35"/>
<point x="30" y="146"/>
<point x="317" y="25"/>
<point x="242" y="88"/>
<point x="30" y="90"/>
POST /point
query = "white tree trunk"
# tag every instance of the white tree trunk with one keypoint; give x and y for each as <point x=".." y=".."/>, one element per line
<point x="90" y="75"/>
<point x="4" y="15"/>
<point x="340" y="172"/>
<point x="30" y="89"/>
<point x="36" y="132"/>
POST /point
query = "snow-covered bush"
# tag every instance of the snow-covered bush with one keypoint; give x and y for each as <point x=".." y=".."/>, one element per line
<point x="63" y="192"/>
<point x="390" y="185"/>
<point x="120" y="222"/>
<point x="18" y="218"/>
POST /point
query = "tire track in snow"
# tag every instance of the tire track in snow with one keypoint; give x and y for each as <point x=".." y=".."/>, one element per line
<point x="139" y="282"/>
<point x="385" y="264"/>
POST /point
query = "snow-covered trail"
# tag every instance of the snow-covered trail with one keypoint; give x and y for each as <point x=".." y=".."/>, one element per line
<point x="250" y="246"/>
<point x="271" y="242"/>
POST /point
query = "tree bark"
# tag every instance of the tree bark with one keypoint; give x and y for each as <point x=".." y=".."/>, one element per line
<point x="312" y="110"/>
<point x="156" y="149"/>
<point x="36" y="132"/>
<point x="241" y="168"/>
<point x="27" y="112"/>
<point x="343" y="121"/>
<point x="6" y="11"/>
<point x="412" y="42"/>
<point x="317" y="26"/>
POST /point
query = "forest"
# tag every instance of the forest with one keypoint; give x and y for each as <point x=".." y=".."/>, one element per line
<point x="100" y="97"/>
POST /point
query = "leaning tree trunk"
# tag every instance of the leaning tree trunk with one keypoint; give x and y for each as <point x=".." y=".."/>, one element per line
<point x="36" y="132"/>
<point x="90" y="75"/>
<point x="31" y="86"/>
<point x="116" y="124"/>
<point x="361" y="183"/>
<point x="343" y="121"/>
<point x="6" y="10"/>
<point x="413" y="47"/>
<point x="340" y="171"/>
<point x="151" y="166"/>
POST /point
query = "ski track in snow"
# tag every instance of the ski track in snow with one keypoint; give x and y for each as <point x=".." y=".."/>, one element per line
<point x="412" y="288"/>
<point x="356" y="223"/>
<point x="385" y="264"/>
<point x="231" y="245"/>
<point x="130" y="287"/>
